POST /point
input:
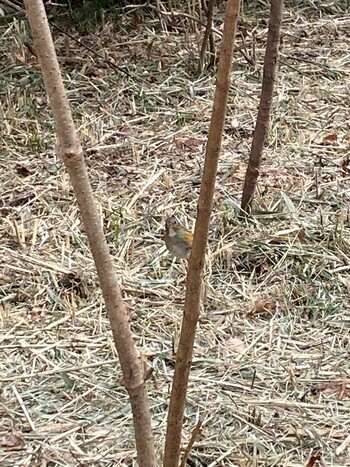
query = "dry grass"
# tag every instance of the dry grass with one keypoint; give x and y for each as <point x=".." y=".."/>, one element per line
<point x="270" y="373"/>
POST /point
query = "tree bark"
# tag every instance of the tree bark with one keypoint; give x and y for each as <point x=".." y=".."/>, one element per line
<point x="261" y="127"/>
<point x="207" y="34"/>
<point x="197" y="258"/>
<point x="71" y="152"/>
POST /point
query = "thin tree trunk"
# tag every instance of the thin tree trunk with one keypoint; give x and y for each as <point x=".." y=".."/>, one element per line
<point x="207" y="33"/>
<point x="197" y="258"/>
<point x="212" y="50"/>
<point x="71" y="152"/>
<point x="261" y="127"/>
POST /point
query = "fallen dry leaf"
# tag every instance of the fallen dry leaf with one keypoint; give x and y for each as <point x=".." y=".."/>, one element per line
<point x="167" y="180"/>
<point x="12" y="442"/>
<point x="326" y="139"/>
<point x="53" y="427"/>
<point x="234" y="344"/>
<point x="193" y="142"/>
<point x="189" y="143"/>
<point x="265" y="305"/>
<point x="262" y="305"/>
<point x="234" y="124"/>
<point x="332" y="137"/>
<point x="315" y="459"/>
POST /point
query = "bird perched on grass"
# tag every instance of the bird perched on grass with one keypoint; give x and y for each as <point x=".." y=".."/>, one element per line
<point x="177" y="239"/>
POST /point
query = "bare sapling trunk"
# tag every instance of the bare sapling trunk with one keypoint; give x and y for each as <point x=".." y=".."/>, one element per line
<point x="262" y="123"/>
<point x="197" y="258"/>
<point x="71" y="153"/>
<point x="207" y="34"/>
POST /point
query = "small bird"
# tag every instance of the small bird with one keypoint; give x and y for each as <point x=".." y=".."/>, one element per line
<point x="177" y="239"/>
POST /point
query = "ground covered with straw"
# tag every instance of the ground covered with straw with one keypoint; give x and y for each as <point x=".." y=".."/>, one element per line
<point x="270" y="377"/>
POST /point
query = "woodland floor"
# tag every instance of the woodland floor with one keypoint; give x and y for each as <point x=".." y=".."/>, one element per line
<point x="271" y="372"/>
